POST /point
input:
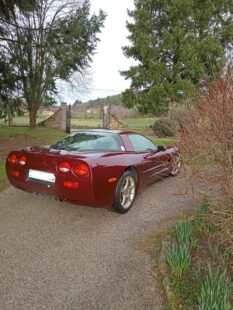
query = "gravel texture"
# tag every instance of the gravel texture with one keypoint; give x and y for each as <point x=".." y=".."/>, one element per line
<point x="55" y="255"/>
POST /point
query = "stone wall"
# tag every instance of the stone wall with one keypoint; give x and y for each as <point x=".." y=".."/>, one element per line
<point x="115" y="123"/>
<point x="58" y="120"/>
<point x="110" y="121"/>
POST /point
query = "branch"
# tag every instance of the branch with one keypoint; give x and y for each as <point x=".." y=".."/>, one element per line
<point x="10" y="40"/>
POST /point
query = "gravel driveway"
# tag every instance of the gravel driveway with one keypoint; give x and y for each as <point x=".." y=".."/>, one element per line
<point x="55" y="255"/>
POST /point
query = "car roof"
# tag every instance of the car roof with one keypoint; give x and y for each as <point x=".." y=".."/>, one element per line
<point x="102" y="130"/>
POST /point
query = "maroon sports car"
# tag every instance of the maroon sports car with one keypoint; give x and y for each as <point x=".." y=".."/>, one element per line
<point x="100" y="168"/>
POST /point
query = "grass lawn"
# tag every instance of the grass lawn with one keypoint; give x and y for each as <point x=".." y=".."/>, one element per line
<point x="50" y="134"/>
<point x="23" y="120"/>
<point x="139" y="123"/>
<point x="88" y="122"/>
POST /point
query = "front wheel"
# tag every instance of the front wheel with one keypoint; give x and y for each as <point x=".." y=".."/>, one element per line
<point x="175" y="166"/>
<point x="125" y="192"/>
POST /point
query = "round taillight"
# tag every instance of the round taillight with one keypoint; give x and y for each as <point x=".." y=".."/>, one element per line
<point x="64" y="167"/>
<point x="81" y="169"/>
<point x="22" y="160"/>
<point x="12" y="159"/>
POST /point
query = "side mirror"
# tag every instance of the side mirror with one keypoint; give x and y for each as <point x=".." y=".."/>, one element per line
<point x="161" y="148"/>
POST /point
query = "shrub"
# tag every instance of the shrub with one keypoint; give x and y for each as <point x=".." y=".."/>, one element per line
<point x="215" y="291"/>
<point x="206" y="138"/>
<point x="163" y="127"/>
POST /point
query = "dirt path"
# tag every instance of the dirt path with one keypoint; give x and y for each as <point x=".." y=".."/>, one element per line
<point x="59" y="256"/>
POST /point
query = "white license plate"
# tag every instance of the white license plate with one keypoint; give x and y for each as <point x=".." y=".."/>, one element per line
<point x="41" y="176"/>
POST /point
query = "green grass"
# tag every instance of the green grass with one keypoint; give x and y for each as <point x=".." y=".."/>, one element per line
<point x="3" y="178"/>
<point x="23" y="120"/>
<point x="186" y="290"/>
<point x="87" y="122"/>
<point x="139" y="123"/>
<point x="37" y="132"/>
<point x="164" y="141"/>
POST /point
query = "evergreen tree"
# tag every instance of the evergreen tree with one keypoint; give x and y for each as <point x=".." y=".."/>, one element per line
<point x="9" y="103"/>
<point x="176" y="44"/>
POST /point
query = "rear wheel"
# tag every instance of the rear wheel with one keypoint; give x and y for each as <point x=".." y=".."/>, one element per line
<point x="125" y="192"/>
<point x="175" y="166"/>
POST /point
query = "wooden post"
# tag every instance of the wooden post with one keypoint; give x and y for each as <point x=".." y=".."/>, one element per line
<point x="106" y="117"/>
<point x="68" y="118"/>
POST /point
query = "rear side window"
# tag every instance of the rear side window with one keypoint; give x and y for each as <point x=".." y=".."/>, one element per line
<point x="141" y="143"/>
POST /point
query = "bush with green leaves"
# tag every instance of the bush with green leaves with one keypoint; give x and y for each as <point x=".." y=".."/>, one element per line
<point x="163" y="128"/>
<point x="215" y="291"/>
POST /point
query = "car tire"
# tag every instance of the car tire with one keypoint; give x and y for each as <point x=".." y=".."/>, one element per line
<point x="175" y="166"/>
<point x="125" y="192"/>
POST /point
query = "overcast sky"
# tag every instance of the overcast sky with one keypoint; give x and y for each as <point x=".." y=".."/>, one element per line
<point x="109" y="59"/>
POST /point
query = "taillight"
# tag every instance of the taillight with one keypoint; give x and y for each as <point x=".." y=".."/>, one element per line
<point x="12" y="159"/>
<point x="15" y="173"/>
<point x="71" y="185"/>
<point x="81" y="169"/>
<point x="22" y="160"/>
<point x="64" y="167"/>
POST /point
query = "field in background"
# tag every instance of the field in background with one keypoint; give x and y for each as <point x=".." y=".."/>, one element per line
<point x="23" y="120"/>
<point x="132" y="123"/>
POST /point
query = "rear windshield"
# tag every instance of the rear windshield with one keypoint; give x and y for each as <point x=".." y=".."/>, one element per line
<point x="106" y="142"/>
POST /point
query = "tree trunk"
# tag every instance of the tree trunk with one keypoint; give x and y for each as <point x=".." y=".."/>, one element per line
<point x="33" y="114"/>
<point x="9" y="116"/>
<point x="10" y="120"/>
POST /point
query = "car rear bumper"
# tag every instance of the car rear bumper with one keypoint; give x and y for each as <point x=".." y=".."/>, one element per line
<point x="83" y="195"/>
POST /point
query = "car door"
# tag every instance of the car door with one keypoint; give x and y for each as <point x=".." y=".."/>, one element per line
<point x="154" y="162"/>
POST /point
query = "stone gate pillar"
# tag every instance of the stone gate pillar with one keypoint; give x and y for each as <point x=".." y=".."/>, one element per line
<point x="106" y="117"/>
<point x="63" y="116"/>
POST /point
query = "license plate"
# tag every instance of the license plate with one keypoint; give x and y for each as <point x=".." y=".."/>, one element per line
<point x="41" y="176"/>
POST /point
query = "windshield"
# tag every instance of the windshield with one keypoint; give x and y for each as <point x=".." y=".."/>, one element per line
<point x="107" y="142"/>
